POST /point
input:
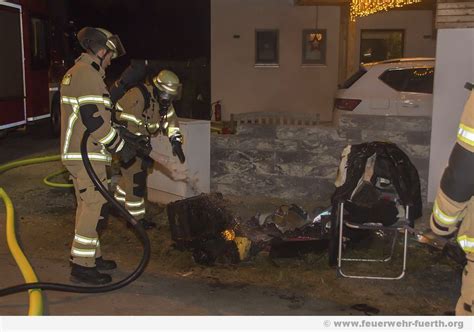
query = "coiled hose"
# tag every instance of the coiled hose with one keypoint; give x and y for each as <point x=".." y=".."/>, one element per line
<point x="138" y="227"/>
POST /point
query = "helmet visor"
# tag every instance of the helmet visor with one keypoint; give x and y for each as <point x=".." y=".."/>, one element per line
<point x="173" y="90"/>
<point x="115" y="45"/>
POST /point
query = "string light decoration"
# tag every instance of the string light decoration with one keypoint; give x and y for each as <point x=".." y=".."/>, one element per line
<point x="360" y="8"/>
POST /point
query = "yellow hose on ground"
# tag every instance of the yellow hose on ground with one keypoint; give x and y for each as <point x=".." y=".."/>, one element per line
<point x="36" y="300"/>
<point x="38" y="160"/>
<point x="47" y="181"/>
<point x="31" y="161"/>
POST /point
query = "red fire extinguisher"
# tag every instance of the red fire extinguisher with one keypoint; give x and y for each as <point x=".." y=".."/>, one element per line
<point x="218" y="111"/>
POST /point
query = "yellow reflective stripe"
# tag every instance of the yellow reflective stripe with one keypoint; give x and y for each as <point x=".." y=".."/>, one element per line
<point x="118" y="107"/>
<point x="466" y="134"/>
<point x="119" y="198"/>
<point x="71" y="121"/>
<point x="165" y="125"/>
<point x="135" y="204"/>
<point x="173" y="131"/>
<point x="109" y="137"/>
<point x="157" y="81"/>
<point x="85" y="240"/>
<point x="120" y="146"/>
<point x="75" y="102"/>
<point x="92" y="156"/>
<point x="137" y="213"/>
<point x="167" y="86"/>
<point x="130" y="117"/>
<point x="70" y="125"/>
<point x="442" y="217"/>
<point x="120" y="190"/>
<point x="170" y="113"/>
<point x="83" y="252"/>
<point x="153" y="125"/>
<point x="170" y="89"/>
<point x="69" y="100"/>
<point x="92" y="99"/>
<point x="466" y="243"/>
<point x="111" y="45"/>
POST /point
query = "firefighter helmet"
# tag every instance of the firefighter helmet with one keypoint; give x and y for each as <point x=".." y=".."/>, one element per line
<point x="94" y="39"/>
<point x="168" y="83"/>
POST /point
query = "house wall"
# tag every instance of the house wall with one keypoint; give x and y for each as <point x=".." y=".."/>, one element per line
<point x="291" y="87"/>
<point x="418" y="26"/>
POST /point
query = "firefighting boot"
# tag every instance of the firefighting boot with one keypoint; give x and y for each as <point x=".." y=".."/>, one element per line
<point x="89" y="275"/>
<point x="105" y="264"/>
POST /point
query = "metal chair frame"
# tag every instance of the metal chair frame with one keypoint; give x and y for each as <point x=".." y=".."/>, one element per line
<point x="401" y="225"/>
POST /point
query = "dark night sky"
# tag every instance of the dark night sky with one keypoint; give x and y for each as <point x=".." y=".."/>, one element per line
<point x="152" y="29"/>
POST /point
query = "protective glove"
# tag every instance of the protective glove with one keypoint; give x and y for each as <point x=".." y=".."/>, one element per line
<point x="140" y="143"/>
<point x="176" y="147"/>
<point x="134" y="74"/>
<point x="127" y="153"/>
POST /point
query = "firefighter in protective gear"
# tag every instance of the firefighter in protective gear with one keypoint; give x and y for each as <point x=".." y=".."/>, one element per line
<point x="85" y="105"/>
<point x="453" y="210"/>
<point x="147" y="109"/>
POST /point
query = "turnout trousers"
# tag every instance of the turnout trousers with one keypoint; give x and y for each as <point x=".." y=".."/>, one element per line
<point x="131" y="188"/>
<point x="91" y="208"/>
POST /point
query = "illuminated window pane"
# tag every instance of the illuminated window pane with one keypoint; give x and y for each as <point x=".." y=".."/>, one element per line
<point x="314" y="46"/>
<point x="379" y="45"/>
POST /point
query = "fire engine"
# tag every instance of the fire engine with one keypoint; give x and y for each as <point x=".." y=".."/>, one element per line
<point x="31" y="64"/>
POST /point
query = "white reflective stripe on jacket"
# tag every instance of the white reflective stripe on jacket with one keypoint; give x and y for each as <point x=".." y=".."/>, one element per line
<point x="75" y="104"/>
<point x="466" y="134"/>
<point x="466" y="243"/>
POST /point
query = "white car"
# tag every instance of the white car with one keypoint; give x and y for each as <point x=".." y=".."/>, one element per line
<point x="398" y="87"/>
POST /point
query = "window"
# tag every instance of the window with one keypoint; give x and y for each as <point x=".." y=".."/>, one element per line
<point x="38" y="42"/>
<point x="379" y="45"/>
<point x="354" y="78"/>
<point x="394" y="78"/>
<point x="266" y="47"/>
<point x="420" y="80"/>
<point x="410" y="80"/>
<point x="11" y="64"/>
<point x="314" y="46"/>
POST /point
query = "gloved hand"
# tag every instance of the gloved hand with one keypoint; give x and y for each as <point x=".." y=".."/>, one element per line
<point x="140" y="143"/>
<point x="132" y="75"/>
<point x="127" y="153"/>
<point x="176" y="147"/>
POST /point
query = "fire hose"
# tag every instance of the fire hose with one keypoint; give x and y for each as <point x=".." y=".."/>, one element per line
<point x="34" y="286"/>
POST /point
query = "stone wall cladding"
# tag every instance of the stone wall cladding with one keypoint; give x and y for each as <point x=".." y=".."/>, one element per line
<point x="299" y="163"/>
